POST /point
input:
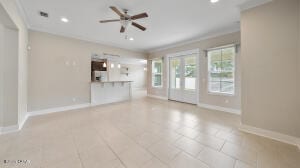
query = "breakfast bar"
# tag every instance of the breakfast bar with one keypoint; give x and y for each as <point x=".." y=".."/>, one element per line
<point x="110" y="92"/>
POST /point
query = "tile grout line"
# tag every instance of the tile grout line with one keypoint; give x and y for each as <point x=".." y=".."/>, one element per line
<point x="112" y="149"/>
<point x="167" y="164"/>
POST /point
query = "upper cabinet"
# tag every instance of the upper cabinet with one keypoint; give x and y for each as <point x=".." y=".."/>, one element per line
<point x="99" y="66"/>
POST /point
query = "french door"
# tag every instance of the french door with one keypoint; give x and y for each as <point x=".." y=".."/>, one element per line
<point x="183" y="78"/>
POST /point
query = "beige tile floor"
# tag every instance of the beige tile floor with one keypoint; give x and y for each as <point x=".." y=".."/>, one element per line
<point x="142" y="133"/>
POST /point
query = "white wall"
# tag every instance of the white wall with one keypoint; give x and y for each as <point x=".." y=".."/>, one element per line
<point x="60" y="69"/>
<point x="1" y="74"/>
<point x="137" y="74"/>
<point x="14" y="58"/>
<point x="113" y="73"/>
<point x="270" y="57"/>
<point x="232" y="102"/>
<point x="10" y="77"/>
<point x="11" y="7"/>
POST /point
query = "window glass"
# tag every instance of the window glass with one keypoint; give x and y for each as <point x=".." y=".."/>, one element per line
<point x="175" y="73"/>
<point x="190" y="73"/>
<point x="221" y="69"/>
<point x="157" y="73"/>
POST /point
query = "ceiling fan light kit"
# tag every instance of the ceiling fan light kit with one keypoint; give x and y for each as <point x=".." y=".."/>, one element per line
<point x="126" y="19"/>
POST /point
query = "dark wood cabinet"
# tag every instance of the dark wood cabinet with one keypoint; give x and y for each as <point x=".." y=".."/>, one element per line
<point x="98" y="66"/>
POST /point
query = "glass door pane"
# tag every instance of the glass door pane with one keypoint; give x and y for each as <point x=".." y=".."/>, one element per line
<point x="190" y="72"/>
<point x="175" y="73"/>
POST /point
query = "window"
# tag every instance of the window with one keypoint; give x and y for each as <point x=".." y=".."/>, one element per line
<point x="157" y="70"/>
<point x="175" y="73"/>
<point x="190" y="72"/>
<point x="221" y="68"/>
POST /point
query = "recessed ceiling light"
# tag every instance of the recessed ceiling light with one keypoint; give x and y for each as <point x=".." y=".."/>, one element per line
<point x="65" y="20"/>
<point x="131" y="38"/>
<point x="214" y="1"/>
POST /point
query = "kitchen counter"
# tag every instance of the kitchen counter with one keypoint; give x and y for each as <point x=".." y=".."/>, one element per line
<point x="110" y="81"/>
<point x="110" y="92"/>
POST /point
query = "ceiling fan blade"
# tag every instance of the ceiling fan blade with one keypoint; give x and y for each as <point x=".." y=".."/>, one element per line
<point x="112" y="20"/>
<point x="139" y="26"/>
<point x="139" y="16"/>
<point x="122" y="29"/>
<point x="116" y="10"/>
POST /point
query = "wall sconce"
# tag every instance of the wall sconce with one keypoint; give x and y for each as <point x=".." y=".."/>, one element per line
<point x="112" y="65"/>
<point x="119" y="66"/>
<point x="104" y="65"/>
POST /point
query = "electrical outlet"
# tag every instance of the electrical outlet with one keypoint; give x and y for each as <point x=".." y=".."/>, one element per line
<point x="226" y="101"/>
<point x="74" y="99"/>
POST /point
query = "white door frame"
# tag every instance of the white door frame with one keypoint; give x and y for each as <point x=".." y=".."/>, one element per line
<point x="184" y="53"/>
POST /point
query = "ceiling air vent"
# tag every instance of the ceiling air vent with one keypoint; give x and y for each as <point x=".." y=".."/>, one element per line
<point x="43" y="14"/>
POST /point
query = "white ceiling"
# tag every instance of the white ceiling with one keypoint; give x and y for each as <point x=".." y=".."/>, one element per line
<point x="169" y="21"/>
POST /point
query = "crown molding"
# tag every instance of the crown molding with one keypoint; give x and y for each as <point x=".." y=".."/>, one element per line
<point x="252" y="4"/>
<point x="108" y="44"/>
<point x="208" y="36"/>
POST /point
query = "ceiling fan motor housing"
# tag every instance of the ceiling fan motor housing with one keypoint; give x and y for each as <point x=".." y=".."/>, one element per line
<point x="125" y="22"/>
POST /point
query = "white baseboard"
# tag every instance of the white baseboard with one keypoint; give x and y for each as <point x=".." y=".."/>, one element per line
<point x="271" y="134"/>
<point x="9" y="129"/>
<point x="23" y="121"/>
<point x="157" y="97"/>
<point x="219" y="108"/>
<point x="58" y="109"/>
<point x="15" y="128"/>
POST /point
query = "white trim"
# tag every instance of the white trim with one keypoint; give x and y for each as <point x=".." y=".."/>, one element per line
<point x="234" y="70"/>
<point x="252" y="4"/>
<point x="161" y="61"/>
<point x="185" y="53"/>
<point x="157" y="97"/>
<point x="271" y="134"/>
<point x="13" y="128"/>
<point x="222" y="47"/>
<point x="21" y="124"/>
<point x="9" y="129"/>
<point x="179" y="44"/>
<point x="219" y="108"/>
<point x="58" y="109"/>
<point x="82" y="38"/>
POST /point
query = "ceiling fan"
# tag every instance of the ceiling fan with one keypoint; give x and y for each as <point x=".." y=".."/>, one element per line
<point x="126" y="19"/>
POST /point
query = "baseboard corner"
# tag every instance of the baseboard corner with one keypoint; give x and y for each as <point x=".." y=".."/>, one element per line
<point x="21" y="124"/>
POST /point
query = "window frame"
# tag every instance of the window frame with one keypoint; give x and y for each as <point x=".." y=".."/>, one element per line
<point x="153" y="73"/>
<point x="233" y="71"/>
